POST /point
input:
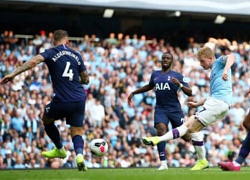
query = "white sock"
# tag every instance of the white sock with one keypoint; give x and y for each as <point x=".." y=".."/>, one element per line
<point x="197" y="139"/>
<point x="163" y="162"/>
<point x="175" y="133"/>
<point x="236" y="164"/>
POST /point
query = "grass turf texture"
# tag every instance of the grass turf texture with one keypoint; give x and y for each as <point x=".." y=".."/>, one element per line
<point x="125" y="174"/>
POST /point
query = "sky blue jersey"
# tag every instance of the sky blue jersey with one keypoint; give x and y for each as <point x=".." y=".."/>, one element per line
<point x="219" y="88"/>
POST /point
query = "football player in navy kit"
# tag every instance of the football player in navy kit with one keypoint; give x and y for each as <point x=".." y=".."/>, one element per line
<point x="166" y="83"/>
<point x="68" y="73"/>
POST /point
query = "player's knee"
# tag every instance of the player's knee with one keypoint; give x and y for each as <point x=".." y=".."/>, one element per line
<point x="161" y="131"/>
<point x="186" y="137"/>
<point x="47" y="121"/>
<point x="76" y="131"/>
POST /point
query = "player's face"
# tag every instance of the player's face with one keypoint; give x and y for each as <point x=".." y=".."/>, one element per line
<point x="206" y="62"/>
<point x="166" y="61"/>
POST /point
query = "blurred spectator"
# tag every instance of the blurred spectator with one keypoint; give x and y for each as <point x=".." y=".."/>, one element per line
<point x="97" y="114"/>
<point x="2" y="164"/>
<point x="9" y="160"/>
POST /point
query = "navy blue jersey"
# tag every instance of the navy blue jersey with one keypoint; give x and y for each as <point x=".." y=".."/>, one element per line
<point x="65" y="66"/>
<point x="166" y="90"/>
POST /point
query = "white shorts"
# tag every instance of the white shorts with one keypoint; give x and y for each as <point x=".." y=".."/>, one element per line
<point x="212" y="111"/>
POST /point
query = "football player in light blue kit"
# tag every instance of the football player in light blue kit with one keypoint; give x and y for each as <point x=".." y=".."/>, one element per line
<point x="215" y="107"/>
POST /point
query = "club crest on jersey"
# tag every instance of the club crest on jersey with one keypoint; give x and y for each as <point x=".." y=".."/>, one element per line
<point x="162" y="86"/>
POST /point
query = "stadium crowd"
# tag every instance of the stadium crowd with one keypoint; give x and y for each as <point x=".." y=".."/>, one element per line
<point x="117" y="66"/>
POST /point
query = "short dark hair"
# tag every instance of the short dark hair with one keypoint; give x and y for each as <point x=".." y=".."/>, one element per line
<point x="60" y="34"/>
<point x="168" y="53"/>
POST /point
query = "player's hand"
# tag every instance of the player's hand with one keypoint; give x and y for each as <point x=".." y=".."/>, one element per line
<point x="7" y="78"/>
<point x="130" y="99"/>
<point x="224" y="76"/>
<point x="247" y="93"/>
<point x="192" y="104"/>
<point x="176" y="81"/>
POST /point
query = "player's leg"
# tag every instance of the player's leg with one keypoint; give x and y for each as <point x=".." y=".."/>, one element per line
<point x="75" y="120"/>
<point x="173" y="134"/>
<point x="163" y="117"/>
<point x="212" y="111"/>
<point x="244" y="150"/>
<point x="49" y="116"/>
<point x="161" y="129"/>
<point x="246" y="122"/>
<point x="197" y="139"/>
<point x="177" y="119"/>
<point x="161" y="124"/>
<point x="76" y="134"/>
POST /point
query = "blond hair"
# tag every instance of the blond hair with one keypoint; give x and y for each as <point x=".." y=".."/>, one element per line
<point x="205" y="52"/>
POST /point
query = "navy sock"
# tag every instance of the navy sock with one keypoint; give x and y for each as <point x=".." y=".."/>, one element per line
<point x="244" y="150"/>
<point x="54" y="135"/>
<point x="161" y="150"/>
<point x="78" y="144"/>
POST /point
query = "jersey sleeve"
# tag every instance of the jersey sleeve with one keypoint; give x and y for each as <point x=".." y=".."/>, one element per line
<point x="45" y="54"/>
<point x="183" y="80"/>
<point x="222" y="60"/>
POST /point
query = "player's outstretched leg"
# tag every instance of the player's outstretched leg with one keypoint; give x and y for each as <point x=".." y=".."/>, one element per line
<point x="80" y="163"/>
<point x="55" y="153"/>
<point x="200" y="165"/>
<point x="229" y="166"/>
<point x="175" y="133"/>
<point x="151" y="141"/>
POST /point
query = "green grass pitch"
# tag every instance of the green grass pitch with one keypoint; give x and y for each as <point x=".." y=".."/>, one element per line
<point x="125" y="174"/>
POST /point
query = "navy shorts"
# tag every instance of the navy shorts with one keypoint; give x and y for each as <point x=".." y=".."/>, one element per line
<point x="162" y="115"/>
<point x="72" y="111"/>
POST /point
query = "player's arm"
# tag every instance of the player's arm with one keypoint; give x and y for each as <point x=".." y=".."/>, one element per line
<point x="196" y="104"/>
<point x="24" y="67"/>
<point x="230" y="59"/>
<point x="84" y="77"/>
<point x="143" y="89"/>
<point x="187" y="90"/>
